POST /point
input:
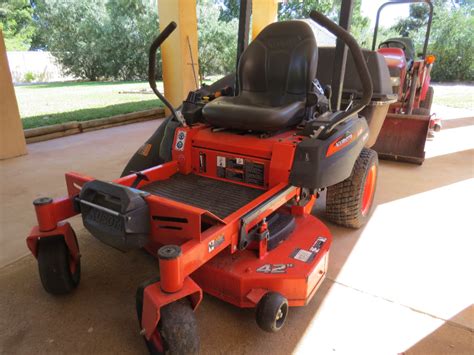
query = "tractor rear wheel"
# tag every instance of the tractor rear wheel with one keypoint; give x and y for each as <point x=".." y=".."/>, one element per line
<point x="177" y="331"/>
<point x="59" y="272"/>
<point x="428" y="101"/>
<point x="349" y="203"/>
<point x="425" y="105"/>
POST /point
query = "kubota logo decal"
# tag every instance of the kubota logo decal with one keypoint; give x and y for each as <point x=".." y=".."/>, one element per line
<point x="341" y="142"/>
<point x="344" y="140"/>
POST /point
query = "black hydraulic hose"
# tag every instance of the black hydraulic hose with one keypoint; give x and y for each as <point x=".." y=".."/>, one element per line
<point x="152" y="66"/>
<point x="359" y="61"/>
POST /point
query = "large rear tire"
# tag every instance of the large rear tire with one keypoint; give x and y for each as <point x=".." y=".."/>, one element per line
<point x="428" y="101"/>
<point x="59" y="273"/>
<point x="425" y="105"/>
<point x="350" y="202"/>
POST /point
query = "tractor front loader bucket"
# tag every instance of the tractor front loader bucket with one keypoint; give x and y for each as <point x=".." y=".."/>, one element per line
<point x="403" y="138"/>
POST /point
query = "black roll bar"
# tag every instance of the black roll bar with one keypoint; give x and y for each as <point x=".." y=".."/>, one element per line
<point x="396" y="2"/>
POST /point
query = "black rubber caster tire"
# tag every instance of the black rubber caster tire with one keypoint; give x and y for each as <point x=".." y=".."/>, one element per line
<point x="177" y="327"/>
<point x="55" y="264"/>
<point x="272" y="311"/>
<point x="350" y="203"/>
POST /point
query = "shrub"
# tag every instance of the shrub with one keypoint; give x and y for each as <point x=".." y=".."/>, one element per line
<point x="29" y="77"/>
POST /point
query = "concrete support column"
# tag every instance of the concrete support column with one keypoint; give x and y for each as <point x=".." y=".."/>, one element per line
<point x="12" y="138"/>
<point x="178" y="76"/>
<point x="264" y="12"/>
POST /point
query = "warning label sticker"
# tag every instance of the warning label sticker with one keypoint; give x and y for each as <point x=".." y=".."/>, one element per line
<point x="318" y="244"/>
<point x="303" y="255"/>
<point x="308" y="255"/>
<point x="221" y="162"/>
<point x="213" y="244"/>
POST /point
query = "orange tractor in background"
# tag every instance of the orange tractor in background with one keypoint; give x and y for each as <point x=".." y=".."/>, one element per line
<point x="409" y="120"/>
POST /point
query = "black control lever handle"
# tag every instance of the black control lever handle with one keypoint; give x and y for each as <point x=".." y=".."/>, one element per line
<point x="152" y="68"/>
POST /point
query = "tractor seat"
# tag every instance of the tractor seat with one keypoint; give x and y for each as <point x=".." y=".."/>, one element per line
<point x="409" y="47"/>
<point x="275" y="74"/>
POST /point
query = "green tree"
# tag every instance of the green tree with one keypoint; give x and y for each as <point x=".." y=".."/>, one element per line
<point x="297" y="9"/>
<point x="217" y="39"/>
<point x="99" y="39"/>
<point x="360" y="26"/>
<point x="229" y="10"/>
<point x="450" y="39"/>
<point x="451" y="43"/>
<point x="17" y="25"/>
<point x="131" y="27"/>
<point x="418" y="19"/>
<point x="74" y="34"/>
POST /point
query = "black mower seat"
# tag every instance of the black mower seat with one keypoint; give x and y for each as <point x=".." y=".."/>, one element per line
<point x="275" y="74"/>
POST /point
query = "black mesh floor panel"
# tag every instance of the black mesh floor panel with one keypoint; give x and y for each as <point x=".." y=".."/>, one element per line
<point x="219" y="197"/>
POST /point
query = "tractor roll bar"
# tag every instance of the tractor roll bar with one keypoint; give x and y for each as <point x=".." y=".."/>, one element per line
<point x="359" y="61"/>
<point x="396" y="2"/>
<point x="152" y="68"/>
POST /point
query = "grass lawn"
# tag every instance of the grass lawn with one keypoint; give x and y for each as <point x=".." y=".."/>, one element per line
<point x="46" y="104"/>
<point x="454" y="95"/>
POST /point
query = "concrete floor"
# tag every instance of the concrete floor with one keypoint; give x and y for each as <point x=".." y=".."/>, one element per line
<point x="400" y="284"/>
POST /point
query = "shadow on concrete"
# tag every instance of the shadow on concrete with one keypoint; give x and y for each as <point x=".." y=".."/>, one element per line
<point x="457" y="122"/>
<point x="435" y="172"/>
<point x="450" y="338"/>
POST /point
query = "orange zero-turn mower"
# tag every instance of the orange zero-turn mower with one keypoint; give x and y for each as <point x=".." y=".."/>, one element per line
<point x="228" y="212"/>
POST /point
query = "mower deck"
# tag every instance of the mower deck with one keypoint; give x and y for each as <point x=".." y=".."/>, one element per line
<point x="296" y="267"/>
<point x="218" y="197"/>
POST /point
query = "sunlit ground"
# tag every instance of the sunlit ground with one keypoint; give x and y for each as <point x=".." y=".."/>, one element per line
<point x="454" y="95"/>
<point x="408" y="275"/>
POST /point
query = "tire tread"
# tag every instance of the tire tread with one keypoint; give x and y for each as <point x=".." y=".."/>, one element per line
<point x="53" y="265"/>
<point x="343" y="200"/>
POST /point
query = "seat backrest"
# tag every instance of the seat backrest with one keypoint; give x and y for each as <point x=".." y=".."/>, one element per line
<point x="395" y="59"/>
<point x="409" y="46"/>
<point x="280" y="62"/>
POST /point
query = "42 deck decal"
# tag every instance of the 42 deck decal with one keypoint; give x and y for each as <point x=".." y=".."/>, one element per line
<point x="274" y="268"/>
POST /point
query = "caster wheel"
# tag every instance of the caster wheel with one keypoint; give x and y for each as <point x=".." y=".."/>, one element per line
<point x="177" y="331"/>
<point x="272" y="311"/>
<point x="59" y="273"/>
